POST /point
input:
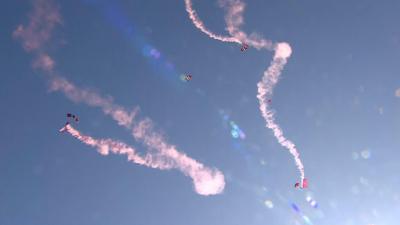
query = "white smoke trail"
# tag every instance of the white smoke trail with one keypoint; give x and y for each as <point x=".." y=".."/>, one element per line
<point x="200" y="25"/>
<point x="104" y="146"/>
<point x="91" y="98"/>
<point x="203" y="178"/>
<point x="34" y="37"/>
<point x="265" y="91"/>
<point x="234" y="19"/>
<point x="42" y="20"/>
<point x="206" y="181"/>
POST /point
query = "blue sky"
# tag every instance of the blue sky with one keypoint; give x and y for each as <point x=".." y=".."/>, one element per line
<point x="336" y="101"/>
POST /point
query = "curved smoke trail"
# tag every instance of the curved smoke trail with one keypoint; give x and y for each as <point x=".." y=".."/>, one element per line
<point x="265" y="91"/>
<point x="203" y="178"/>
<point x="200" y="25"/>
<point x="206" y="181"/>
<point x="234" y="20"/>
<point x="34" y="37"/>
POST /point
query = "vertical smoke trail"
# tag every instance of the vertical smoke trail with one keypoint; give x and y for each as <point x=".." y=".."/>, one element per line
<point x="35" y="36"/>
<point x="234" y="20"/>
<point x="265" y="91"/>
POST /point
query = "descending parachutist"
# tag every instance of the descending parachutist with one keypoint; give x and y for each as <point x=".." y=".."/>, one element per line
<point x="74" y="117"/>
<point x="244" y="47"/>
<point x="303" y="184"/>
<point x="69" y="117"/>
<point x="186" y="77"/>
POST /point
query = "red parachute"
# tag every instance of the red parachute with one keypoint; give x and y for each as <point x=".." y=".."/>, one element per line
<point x="302" y="185"/>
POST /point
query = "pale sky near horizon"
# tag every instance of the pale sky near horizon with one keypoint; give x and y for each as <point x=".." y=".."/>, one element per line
<point x="337" y="100"/>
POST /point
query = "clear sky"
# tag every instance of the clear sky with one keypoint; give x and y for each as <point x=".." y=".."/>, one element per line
<point x="336" y="100"/>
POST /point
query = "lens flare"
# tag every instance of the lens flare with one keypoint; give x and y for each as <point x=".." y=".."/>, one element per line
<point x="115" y="15"/>
<point x="269" y="204"/>
<point x="234" y="134"/>
<point x="312" y="202"/>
